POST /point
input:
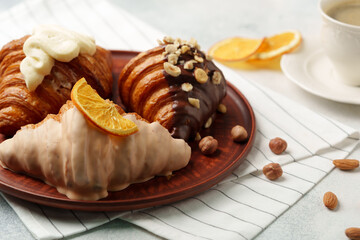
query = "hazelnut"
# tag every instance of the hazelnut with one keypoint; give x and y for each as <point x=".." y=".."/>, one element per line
<point x="189" y="65"/>
<point x="197" y="137"/>
<point x="171" y="69"/>
<point x="208" y="145"/>
<point x="195" y="102"/>
<point x="172" y="58"/>
<point x="221" y="108"/>
<point x="277" y="145"/>
<point x="200" y="75"/>
<point x="239" y="133"/>
<point x="170" y="48"/>
<point x="208" y="123"/>
<point x="187" y="87"/>
<point x="216" y="78"/>
<point x="185" y="49"/>
<point x="272" y="171"/>
<point x="209" y="57"/>
<point x="168" y="39"/>
<point x="198" y="59"/>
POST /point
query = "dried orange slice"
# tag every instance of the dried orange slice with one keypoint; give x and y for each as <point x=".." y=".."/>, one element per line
<point x="102" y="113"/>
<point x="278" y="45"/>
<point x="235" y="49"/>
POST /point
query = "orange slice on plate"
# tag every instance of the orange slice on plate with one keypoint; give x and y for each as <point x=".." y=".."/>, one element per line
<point x="278" y="45"/>
<point x="102" y="113"/>
<point x="235" y="49"/>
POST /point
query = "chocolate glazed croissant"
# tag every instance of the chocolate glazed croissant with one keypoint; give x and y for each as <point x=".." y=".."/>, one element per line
<point x="175" y="85"/>
<point x="19" y="106"/>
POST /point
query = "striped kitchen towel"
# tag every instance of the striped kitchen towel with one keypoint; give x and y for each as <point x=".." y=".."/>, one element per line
<point x="240" y="206"/>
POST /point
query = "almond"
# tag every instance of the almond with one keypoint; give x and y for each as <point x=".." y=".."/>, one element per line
<point x="346" y="164"/>
<point x="353" y="233"/>
<point x="330" y="200"/>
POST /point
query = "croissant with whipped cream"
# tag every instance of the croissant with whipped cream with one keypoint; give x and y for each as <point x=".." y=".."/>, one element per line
<point x="84" y="162"/>
<point x="174" y="84"/>
<point x="30" y="90"/>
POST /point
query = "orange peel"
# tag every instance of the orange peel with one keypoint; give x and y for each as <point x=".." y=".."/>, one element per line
<point x="235" y="49"/>
<point x="102" y="113"/>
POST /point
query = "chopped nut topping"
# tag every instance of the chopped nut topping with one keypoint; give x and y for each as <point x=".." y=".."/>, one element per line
<point x="197" y="137"/>
<point x="200" y="75"/>
<point x="216" y="78"/>
<point x="222" y="108"/>
<point x="159" y="42"/>
<point x="170" y="48"/>
<point x="208" y="123"/>
<point x="189" y="65"/>
<point x="173" y="58"/>
<point x="193" y="43"/>
<point x="198" y="59"/>
<point x="195" y="102"/>
<point x="209" y="57"/>
<point x="172" y="69"/>
<point x="187" y="87"/>
<point x="181" y="61"/>
<point x="178" y="52"/>
<point x="184" y="49"/>
<point x="168" y="39"/>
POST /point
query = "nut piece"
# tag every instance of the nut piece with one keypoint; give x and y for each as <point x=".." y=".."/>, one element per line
<point x="330" y="200"/>
<point x="239" y="133"/>
<point x="189" y="65"/>
<point x="277" y="145"/>
<point x="198" y="59"/>
<point x="272" y="171"/>
<point x="208" y="145"/>
<point x="346" y="164"/>
<point x="172" y="69"/>
<point x="159" y="42"/>
<point x="200" y="75"/>
<point x="185" y="49"/>
<point x="170" y="48"/>
<point x="195" y="102"/>
<point x="168" y="39"/>
<point x="172" y="58"/>
<point x="187" y="87"/>
<point x="208" y="123"/>
<point x="209" y="57"/>
<point x="197" y="137"/>
<point x="353" y="233"/>
<point x="221" y="108"/>
<point x="216" y="78"/>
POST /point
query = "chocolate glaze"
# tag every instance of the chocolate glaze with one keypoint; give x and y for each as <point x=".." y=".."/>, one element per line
<point x="187" y="119"/>
<point x="146" y="88"/>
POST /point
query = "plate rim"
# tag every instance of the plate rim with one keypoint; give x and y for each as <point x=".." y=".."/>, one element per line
<point x="163" y="198"/>
<point x="303" y="55"/>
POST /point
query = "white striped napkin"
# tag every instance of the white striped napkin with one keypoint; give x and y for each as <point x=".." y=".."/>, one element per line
<point x="244" y="203"/>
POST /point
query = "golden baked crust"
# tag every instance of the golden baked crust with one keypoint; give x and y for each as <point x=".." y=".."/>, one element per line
<point x="146" y="88"/>
<point x="19" y="106"/>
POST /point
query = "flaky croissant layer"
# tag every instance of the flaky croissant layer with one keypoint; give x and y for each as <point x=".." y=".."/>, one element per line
<point x="174" y="84"/>
<point x="19" y="106"/>
<point x="84" y="163"/>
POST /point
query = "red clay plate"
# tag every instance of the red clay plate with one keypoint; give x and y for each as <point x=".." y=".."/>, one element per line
<point x="200" y="174"/>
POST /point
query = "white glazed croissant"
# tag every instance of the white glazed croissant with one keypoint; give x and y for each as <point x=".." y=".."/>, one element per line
<point x="83" y="162"/>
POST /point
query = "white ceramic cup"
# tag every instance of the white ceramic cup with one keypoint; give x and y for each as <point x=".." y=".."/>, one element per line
<point x="341" y="43"/>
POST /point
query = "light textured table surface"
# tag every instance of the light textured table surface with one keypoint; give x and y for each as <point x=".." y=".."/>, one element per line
<point x="209" y="21"/>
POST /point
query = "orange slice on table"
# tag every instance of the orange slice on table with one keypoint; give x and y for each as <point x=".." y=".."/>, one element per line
<point x="102" y="113"/>
<point x="278" y="45"/>
<point x="235" y="49"/>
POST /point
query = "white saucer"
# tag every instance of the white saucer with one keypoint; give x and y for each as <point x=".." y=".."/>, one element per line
<point x="310" y="69"/>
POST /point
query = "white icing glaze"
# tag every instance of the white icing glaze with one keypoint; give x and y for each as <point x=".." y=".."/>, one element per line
<point x="47" y="44"/>
<point x="85" y="163"/>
